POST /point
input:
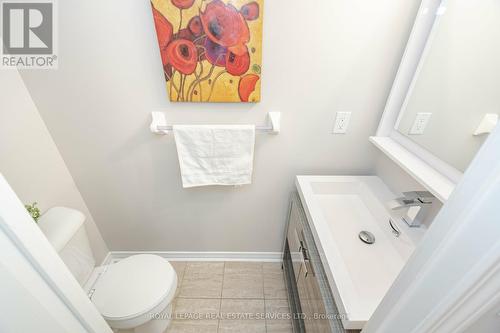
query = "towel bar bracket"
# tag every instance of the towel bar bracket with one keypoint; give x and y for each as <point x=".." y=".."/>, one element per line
<point x="159" y="124"/>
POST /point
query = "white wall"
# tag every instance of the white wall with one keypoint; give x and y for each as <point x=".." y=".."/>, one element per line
<point x="394" y="177"/>
<point x="30" y="161"/>
<point x="400" y="181"/>
<point x="319" y="57"/>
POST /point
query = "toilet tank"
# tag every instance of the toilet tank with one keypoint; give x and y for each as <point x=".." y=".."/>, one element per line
<point x="65" y="230"/>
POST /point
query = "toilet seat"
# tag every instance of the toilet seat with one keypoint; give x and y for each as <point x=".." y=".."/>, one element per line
<point x="133" y="287"/>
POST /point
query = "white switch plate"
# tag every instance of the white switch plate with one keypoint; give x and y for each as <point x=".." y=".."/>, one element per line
<point x="341" y="122"/>
<point x="420" y="123"/>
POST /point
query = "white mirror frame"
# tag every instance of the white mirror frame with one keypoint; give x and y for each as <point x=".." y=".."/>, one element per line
<point x="428" y="169"/>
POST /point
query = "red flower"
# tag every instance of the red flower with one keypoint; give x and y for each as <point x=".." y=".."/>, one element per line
<point x="182" y="4"/>
<point x="182" y="55"/>
<point x="195" y="26"/>
<point x="186" y="34"/>
<point x="164" y="31"/>
<point x="224" y="25"/>
<point x="247" y="86"/>
<point x="237" y="64"/>
<point x="250" y="11"/>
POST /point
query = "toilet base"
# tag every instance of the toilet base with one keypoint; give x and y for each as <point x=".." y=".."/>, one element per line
<point x="158" y="323"/>
<point x="153" y="322"/>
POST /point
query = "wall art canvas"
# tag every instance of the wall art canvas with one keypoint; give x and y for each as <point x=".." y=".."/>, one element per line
<point x="211" y="50"/>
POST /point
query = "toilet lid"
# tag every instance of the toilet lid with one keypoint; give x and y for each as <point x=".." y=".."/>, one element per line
<point x="133" y="286"/>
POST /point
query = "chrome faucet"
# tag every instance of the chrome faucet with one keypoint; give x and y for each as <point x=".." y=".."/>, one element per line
<point x="421" y="199"/>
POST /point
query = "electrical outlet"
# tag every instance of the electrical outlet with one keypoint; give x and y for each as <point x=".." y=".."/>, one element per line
<point x="420" y="123"/>
<point x="341" y="122"/>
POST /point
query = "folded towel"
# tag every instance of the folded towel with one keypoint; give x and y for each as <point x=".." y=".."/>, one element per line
<point x="215" y="154"/>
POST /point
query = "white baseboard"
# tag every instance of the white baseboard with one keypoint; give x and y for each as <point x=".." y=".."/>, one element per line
<point x="114" y="256"/>
<point x="107" y="259"/>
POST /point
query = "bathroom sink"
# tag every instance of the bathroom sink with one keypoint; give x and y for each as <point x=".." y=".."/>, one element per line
<point x="338" y="209"/>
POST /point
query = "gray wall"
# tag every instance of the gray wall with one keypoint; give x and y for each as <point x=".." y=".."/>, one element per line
<point x="30" y="161"/>
<point x="400" y="181"/>
<point x="333" y="55"/>
<point x="464" y="50"/>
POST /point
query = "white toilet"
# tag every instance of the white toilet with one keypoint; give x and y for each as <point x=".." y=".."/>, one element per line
<point x="134" y="293"/>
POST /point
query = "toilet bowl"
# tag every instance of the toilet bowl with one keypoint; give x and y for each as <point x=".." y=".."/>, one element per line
<point x="134" y="293"/>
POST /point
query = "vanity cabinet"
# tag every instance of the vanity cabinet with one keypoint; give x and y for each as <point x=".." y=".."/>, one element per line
<point x="310" y="297"/>
<point x="295" y="242"/>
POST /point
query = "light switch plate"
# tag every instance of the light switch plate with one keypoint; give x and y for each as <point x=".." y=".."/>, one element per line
<point x="341" y="122"/>
<point x="420" y="123"/>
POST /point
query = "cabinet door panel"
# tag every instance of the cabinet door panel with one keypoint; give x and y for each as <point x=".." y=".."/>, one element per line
<point x="294" y="230"/>
<point x="317" y="307"/>
<point x="315" y="300"/>
<point x="305" y="304"/>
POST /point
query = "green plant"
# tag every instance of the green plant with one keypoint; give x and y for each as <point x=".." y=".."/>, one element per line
<point x="33" y="211"/>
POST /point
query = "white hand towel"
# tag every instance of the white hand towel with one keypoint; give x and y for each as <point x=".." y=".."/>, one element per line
<point x="215" y="154"/>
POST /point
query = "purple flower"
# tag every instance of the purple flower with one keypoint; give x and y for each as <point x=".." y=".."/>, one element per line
<point x="215" y="53"/>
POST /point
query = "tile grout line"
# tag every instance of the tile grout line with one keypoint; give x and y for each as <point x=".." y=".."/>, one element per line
<point x="177" y="293"/>
<point x="264" y="295"/>
<point x="219" y="312"/>
<point x="182" y="278"/>
<point x="220" y="299"/>
<point x="230" y="298"/>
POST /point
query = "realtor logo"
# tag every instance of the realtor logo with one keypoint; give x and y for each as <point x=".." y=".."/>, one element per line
<point x="28" y="34"/>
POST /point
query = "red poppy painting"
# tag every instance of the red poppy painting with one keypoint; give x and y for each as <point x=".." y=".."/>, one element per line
<point x="211" y="50"/>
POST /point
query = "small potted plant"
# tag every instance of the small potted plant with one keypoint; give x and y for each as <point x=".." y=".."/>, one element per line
<point x="33" y="210"/>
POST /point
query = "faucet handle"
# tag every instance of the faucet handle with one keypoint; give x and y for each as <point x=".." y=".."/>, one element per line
<point x="425" y="197"/>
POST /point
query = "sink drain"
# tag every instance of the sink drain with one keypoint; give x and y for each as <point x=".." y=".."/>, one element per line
<point x="367" y="237"/>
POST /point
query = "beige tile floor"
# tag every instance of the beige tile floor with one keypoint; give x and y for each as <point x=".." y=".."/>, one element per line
<point x="230" y="297"/>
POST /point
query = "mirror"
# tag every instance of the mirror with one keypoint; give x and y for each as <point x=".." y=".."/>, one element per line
<point x="457" y="83"/>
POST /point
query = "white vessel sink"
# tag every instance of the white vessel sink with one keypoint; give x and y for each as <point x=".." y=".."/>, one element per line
<point x="338" y="208"/>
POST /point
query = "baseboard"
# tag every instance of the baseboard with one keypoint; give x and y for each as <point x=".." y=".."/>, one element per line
<point x="107" y="259"/>
<point x="114" y="256"/>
